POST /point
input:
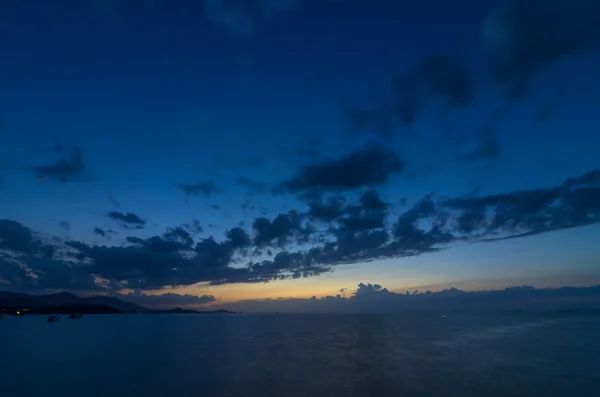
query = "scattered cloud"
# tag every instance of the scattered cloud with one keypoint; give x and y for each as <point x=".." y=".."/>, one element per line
<point x="205" y="189"/>
<point x="69" y="167"/>
<point x="127" y="219"/>
<point x="104" y="232"/>
<point x="278" y="230"/>
<point x="64" y="225"/>
<point x="373" y="298"/>
<point x="487" y="145"/>
<point x="331" y="232"/>
<point x="439" y="80"/>
<point x="523" y="37"/>
<point x="193" y="227"/>
<point x="254" y="187"/>
<point x="370" y="166"/>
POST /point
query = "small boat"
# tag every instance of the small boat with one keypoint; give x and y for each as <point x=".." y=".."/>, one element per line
<point x="75" y="315"/>
<point x="53" y="319"/>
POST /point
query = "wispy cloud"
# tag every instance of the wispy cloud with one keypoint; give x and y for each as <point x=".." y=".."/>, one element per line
<point x="127" y="219"/>
<point x="205" y="189"/>
<point x="70" y="167"/>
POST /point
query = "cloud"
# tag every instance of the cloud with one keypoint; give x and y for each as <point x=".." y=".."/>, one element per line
<point x="332" y="232"/>
<point x="438" y="80"/>
<point x="487" y="145"/>
<point x="254" y="187"/>
<point x="374" y="298"/>
<point x="205" y="189"/>
<point x="310" y="147"/>
<point x="576" y="202"/>
<point x="45" y="273"/>
<point x="127" y="220"/>
<point x="368" y="213"/>
<point x="240" y="18"/>
<point x="104" y="233"/>
<point x="277" y="231"/>
<point x="64" y="225"/>
<point x="168" y="299"/>
<point x="18" y="238"/>
<point x="522" y="38"/>
<point x="193" y="227"/>
<point x="29" y="264"/>
<point x="370" y="166"/>
<point x="69" y="167"/>
<point x="112" y="199"/>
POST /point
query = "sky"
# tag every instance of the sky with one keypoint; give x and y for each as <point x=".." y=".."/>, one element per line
<point x="212" y="152"/>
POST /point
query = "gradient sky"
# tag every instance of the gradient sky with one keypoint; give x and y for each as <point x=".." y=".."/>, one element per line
<point x="460" y="121"/>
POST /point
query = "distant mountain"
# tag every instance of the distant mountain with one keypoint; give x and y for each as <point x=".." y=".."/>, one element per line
<point x="13" y="301"/>
<point x="125" y="307"/>
<point x="180" y="310"/>
<point x="79" y="308"/>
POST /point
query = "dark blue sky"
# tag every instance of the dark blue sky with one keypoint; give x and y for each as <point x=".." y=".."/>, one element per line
<point x="151" y="144"/>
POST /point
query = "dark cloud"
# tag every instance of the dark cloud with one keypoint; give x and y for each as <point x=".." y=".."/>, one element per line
<point x="35" y="265"/>
<point x="333" y="232"/>
<point x="205" y="189"/>
<point x="576" y="202"/>
<point x="522" y="37"/>
<point x="127" y="220"/>
<point x="278" y="230"/>
<point x="239" y="237"/>
<point x="368" y="213"/>
<point x="64" y="225"/>
<point x="439" y="80"/>
<point x="377" y="120"/>
<point x="103" y="232"/>
<point x="44" y="273"/>
<point x="193" y="227"/>
<point x="69" y="167"/>
<point x="99" y="232"/>
<point x="487" y="145"/>
<point x="370" y="166"/>
<point x="18" y="238"/>
<point x="254" y="187"/>
<point x="372" y="298"/>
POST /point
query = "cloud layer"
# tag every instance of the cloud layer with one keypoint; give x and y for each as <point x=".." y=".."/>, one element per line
<point x="331" y="231"/>
<point x="374" y="298"/>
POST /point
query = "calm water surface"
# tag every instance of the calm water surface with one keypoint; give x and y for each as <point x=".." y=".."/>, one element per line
<point x="300" y="355"/>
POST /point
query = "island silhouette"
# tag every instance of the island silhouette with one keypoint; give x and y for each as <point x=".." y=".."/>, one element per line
<point x="66" y="303"/>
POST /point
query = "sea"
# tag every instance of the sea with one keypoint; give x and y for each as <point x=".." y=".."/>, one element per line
<point x="408" y="354"/>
